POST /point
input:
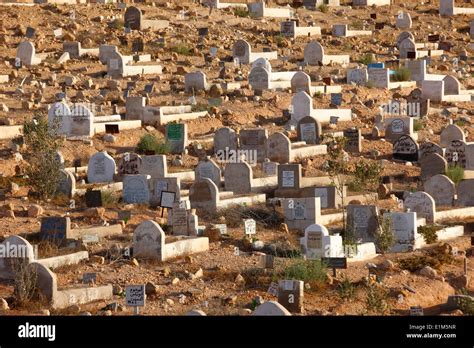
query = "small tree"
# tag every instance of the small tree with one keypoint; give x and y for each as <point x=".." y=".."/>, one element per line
<point x="24" y="281"/>
<point x="385" y="237"/>
<point x="42" y="144"/>
<point x="337" y="167"/>
<point x="367" y="176"/>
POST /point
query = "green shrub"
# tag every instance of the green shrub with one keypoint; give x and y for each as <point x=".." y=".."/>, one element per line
<point x="346" y="289"/>
<point x="366" y="59"/>
<point x="241" y="12"/>
<point x="42" y="145"/>
<point x="109" y="199"/>
<point x="385" y="237"/>
<point x="429" y="233"/>
<point x="182" y="48"/>
<point x="376" y="300"/>
<point x="455" y="173"/>
<point x="323" y="8"/>
<point x="149" y="142"/>
<point x="460" y="123"/>
<point x="278" y="39"/>
<point x="117" y="24"/>
<point x="357" y="25"/>
<point x="417" y="125"/>
<point x="309" y="271"/>
<point x="402" y="74"/>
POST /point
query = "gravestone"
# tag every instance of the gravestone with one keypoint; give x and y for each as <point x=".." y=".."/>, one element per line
<point x="93" y="198"/>
<point x="115" y="64"/>
<point x="177" y="137"/>
<point x="405" y="148"/>
<point x="429" y="147"/>
<point x="73" y="48"/>
<point x="46" y="281"/>
<point x="300" y="213"/>
<point x="270" y="168"/>
<point x="254" y="140"/>
<point x="67" y="183"/>
<point x="404" y="20"/>
<point x="359" y="76"/>
<point x="179" y="220"/>
<point x="55" y="228"/>
<point x="407" y="47"/>
<point x="452" y="86"/>
<point x="309" y="130"/>
<point x="290" y="295"/>
<point x="101" y="168"/>
<point x="289" y="176"/>
<point x="329" y="197"/>
<point x="362" y="220"/>
<point x="421" y="203"/>
<point x="278" y="148"/>
<point x="225" y="139"/>
<point x="271" y="308"/>
<point x="313" y="53"/>
<point x="135" y="189"/>
<point x="208" y="169"/>
<point x="129" y="164"/>
<point x="315" y="240"/>
<point x="339" y="30"/>
<point x="432" y="164"/>
<point x="422" y="104"/>
<point x="396" y="127"/>
<point x="26" y="53"/>
<point x="259" y="79"/>
<point x="169" y="184"/>
<point x="81" y="121"/>
<point x="238" y="177"/>
<point x="456" y="153"/>
<point x="403" y="36"/>
<point x="148" y="240"/>
<point x="465" y="193"/>
<point x="379" y="77"/>
<point x="154" y="165"/>
<point x="242" y="50"/>
<point x="195" y="81"/>
<point x="59" y="118"/>
<point x="204" y="195"/>
<point x="133" y="18"/>
<point x="450" y="133"/>
<point x="441" y="188"/>
<point x="288" y="28"/>
<point x="19" y="249"/>
<point x="404" y="228"/>
<point x="302" y="105"/>
<point x="301" y="81"/>
<point x="317" y="243"/>
<point x="353" y="140"/>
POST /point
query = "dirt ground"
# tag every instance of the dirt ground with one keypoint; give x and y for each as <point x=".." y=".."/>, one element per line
<point x="217" y="291"/>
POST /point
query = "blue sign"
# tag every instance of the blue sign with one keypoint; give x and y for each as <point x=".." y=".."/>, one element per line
<point x="376" y="66"/>
<point x="336" y="99"/>
<point x="55" y="228"/>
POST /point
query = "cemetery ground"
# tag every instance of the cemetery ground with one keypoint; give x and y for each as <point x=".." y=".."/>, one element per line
<point x="228" y="279"/>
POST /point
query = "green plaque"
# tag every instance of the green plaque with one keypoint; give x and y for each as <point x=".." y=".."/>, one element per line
<point x="175" y="131"/>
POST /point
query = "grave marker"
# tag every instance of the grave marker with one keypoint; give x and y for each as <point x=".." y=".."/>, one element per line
<point x="93" y="198"/>
<point x="135" y="296"/>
